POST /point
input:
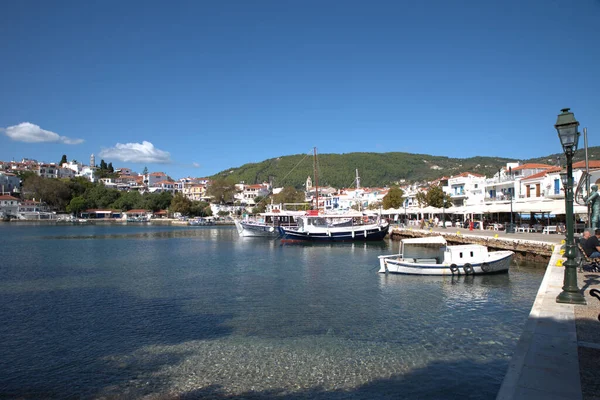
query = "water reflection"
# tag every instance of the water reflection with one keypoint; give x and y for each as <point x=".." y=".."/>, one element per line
<point x="154" y="304"/>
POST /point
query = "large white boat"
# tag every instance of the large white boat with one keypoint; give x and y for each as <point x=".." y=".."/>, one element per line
<point x="432" y="256"/>
<point x="355" y="227"/>
<point x="266" y="224"/>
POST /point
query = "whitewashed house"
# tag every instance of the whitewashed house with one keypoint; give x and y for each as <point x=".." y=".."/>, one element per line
<point x="9" y="205"/>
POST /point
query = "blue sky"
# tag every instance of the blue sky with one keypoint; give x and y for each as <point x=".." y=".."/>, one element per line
<point x="192" y="88"/>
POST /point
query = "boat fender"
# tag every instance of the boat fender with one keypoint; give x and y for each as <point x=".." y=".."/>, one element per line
<point x="453" y="268"/>
<point x="468" y="268"/>
<point x="352" y="234"/>
<point x="365" y="233"/>
<point x="380" y="229"/>
<point x="328" y="233"/>
<point x="485" y="267"/>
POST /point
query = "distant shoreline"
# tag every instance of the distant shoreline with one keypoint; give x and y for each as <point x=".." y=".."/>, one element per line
<point x="174" y="222"/>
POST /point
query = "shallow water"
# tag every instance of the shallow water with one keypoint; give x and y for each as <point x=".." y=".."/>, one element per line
<point x="132" y="311"/>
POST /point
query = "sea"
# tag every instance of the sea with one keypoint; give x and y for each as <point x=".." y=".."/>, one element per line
<point x="142" y="311"/>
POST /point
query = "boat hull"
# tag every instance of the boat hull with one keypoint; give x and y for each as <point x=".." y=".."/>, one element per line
<point x="357" y="234"/>
<point x="256" y="230"/>
<point x="497" y="262"/>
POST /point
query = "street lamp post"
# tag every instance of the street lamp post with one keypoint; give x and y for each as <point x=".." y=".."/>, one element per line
<point x="566" y="126"/>
<point x="444" y="213"/>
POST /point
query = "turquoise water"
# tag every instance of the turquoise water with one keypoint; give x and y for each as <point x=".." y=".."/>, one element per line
<point x="134" y="311"/>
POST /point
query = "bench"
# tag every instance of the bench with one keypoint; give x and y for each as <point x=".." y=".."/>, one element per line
<point x="549" y="229"/>
<point x="588" y="264"/>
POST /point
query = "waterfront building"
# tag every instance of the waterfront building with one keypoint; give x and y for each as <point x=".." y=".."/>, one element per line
<point x="163" y="186"/>
<point x="102" y="214"/>
<point x="152" y="178"/>
<point x="9" y="183"/>
<point x="247" y="193"/>
<point x="124" y="172"/>
<point x="466" y="189"/>
<point x="74" y="166"/>
<point x="88" y="173"/>
<point x="47" y="170"/>
<point x="9" y="205"/>
<point x="195" y="192"/>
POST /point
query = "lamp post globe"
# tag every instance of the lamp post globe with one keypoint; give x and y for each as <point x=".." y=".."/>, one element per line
<point x="566" y="126"/>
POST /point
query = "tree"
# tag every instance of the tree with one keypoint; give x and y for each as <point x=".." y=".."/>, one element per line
<point x="261" y="205"/>
<point x="180" y="204"/>
<point x="394" y="198"/>
<point x="63" y="160"/>
<point x="54" y="192"/>
<point x="99" y="196"/>
<point x="129" y="201"/>
<point x="289" y="194"/>
<point x="421" y="199"/>
<point x="435" y="197"/>
<point x="374" y="206"/>
<point x="198" y="209"/>
<point x="157" y="201"/>
<point x="110" y="168"/>
<point x="77" y="205"/>
<point x="103" y="165"/>
<point x="221" y="190"/>
<point x="78" y="185"/>
<point x="223" y="213"/>
<point x="145" y="171"/>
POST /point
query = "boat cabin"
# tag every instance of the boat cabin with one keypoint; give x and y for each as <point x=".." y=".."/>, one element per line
<point x="434" y="249"/>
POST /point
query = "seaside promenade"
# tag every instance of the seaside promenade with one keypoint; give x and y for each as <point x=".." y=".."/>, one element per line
<point x="558" y="353"/>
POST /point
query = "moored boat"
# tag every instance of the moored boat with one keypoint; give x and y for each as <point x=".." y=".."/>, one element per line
<point x="266" y="224"/>
<point x="317" y="227"/>
<point x="433" y="256"/>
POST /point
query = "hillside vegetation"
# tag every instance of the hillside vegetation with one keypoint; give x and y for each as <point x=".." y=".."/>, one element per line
<point x="375" y="169"/>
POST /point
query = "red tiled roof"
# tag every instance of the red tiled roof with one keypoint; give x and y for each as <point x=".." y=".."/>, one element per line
<point x="532" y="166"/>
<point x="158" y="174"/>
<point x="8" y="197"/>
<point x="592" y="164"/>
<point x="138" y="211"/>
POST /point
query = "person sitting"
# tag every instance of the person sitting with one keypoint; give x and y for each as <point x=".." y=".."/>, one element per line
<point x="586" y="235"/>
<point x="592" y="245"/>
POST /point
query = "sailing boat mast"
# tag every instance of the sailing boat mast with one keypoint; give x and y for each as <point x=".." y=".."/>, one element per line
<point x="316" y="176"/>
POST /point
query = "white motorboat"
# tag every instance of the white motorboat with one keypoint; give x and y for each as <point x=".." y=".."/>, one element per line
<point x="433" y="256"/>
<point x="266" y="224"/>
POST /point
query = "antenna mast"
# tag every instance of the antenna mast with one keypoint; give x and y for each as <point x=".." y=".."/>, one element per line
<point x="316" y="176"/>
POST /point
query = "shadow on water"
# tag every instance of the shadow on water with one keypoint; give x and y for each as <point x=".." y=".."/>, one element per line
<point x="64" y="343"/>
<point x="454" y="380"/>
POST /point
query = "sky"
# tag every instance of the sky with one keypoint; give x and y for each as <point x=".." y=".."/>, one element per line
<point x="192" y="88"/>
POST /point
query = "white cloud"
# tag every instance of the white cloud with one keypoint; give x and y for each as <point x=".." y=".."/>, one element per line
<point x="31" y="133"/>
<point x="144" y="152"/>
<point x="195" y="165"/>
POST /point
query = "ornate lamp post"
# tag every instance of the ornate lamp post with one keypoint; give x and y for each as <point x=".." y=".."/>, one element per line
<point x="443" y="210"/>
<point x="566" y="126"/>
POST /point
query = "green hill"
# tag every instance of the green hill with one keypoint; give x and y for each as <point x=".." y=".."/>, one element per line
<point x="375" y="169"/>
